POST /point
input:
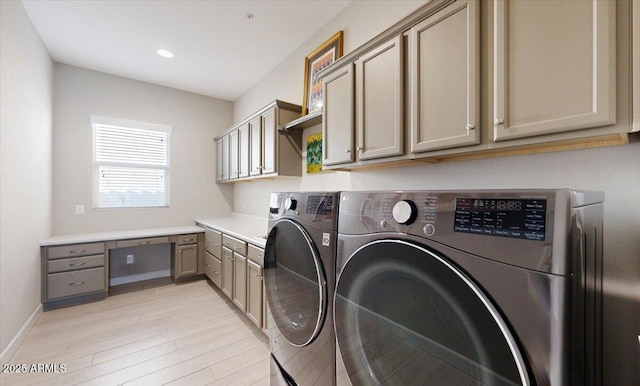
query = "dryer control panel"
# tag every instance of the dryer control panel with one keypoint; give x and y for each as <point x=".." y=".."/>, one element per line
<point x="515" y="218"/>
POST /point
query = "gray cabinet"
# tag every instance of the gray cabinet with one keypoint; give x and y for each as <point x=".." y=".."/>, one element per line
<point x="223" y="167"/>
<point x="213" y="269"/>
<point x="379" y="101"/>
<point x="227" y="272"/>
<point x="213" y="242"/>
<point x="234" y="171"/>
<point x="258" y="148"/>
<point x="364" y="105"/>
<point x="240" y="281"/>
<point x="220" y="160"/>
<point x="186" y="259"/>
<point x="73" y="274"/>
<point x="255" y="295"/>
<point x="557" y="81"/>
<point x="338" y="117"/>
<point x="445" y="103"/>
<point x="243" y="151"/>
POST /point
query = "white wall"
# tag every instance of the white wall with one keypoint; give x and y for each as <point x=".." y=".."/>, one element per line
<point x="25" y="167"/>
<point x="614" y="170"/>
<point x="195" y="120"/>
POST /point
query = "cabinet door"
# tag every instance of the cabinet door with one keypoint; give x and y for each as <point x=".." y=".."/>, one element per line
<point x="338" y="117"/>
<point x="227" y="272"/>
<point x="254" y="293"/>
<point x="554" y="67"/>
<point x="380" y="91"/>
<point x="240" y="281"/>
<point x="233" y="155"/>
<point x="219" y="160"/>
<point x="212" y="268"/>
<point x="225" y="158"/>
<point x="243" y="151"/>
<point x="269" y="143"/>
<point x="255" y="143"/>
<point x="187" y="260"/>
<point x="444" y="72"/>
<point x="213" y="242"/>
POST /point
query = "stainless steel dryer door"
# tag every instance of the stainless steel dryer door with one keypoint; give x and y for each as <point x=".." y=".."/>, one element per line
<point x="407" y="316"/>
<point x="295" y="283"/>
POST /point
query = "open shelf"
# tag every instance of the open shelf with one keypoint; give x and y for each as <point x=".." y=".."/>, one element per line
<point x="304" y="122"/>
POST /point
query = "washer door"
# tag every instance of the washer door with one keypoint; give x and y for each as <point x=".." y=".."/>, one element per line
<point x="404" y="315"/>
<point x="295" y="283"/>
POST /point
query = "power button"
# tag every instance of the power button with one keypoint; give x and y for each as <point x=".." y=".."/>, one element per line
<point x="429" y="230"/>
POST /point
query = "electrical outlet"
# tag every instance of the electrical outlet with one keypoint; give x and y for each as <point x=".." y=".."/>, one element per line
<point x="129" y="259"/>
<point x="80" y="209"/>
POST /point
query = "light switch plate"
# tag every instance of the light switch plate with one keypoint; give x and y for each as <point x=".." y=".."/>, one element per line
<point x="79" y="209"/>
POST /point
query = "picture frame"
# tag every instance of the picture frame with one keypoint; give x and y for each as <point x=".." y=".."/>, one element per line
<point x="321" y="57"/>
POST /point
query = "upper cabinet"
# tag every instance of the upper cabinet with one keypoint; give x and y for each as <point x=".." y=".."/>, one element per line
<point x="462" y="79"/>
<point x="445" y="88"/>
<point x="363" y="106"/>
<point x="554" y="68"/>
<point x="256" y="148"/>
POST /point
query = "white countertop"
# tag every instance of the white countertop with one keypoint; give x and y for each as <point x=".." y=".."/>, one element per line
<point x="119" y="235"/>
<point x="242" y="226"/>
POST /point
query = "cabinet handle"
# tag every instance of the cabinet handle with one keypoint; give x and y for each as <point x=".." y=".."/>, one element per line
<point x="77" y="264"/>
<point x="347" y="150"/>
<point x="187" y="240"/>
<point x="215" y="272"/>
<point x="359" y="148"/>
<point x="470" y="127"/>
<point x="144" y="242"/>
<point x="77" y="283"/>
<point x="206" y="265"/>
<point x="80" y="251"/>
<point x="499" y="121"/>
<point x="180" y="251"/>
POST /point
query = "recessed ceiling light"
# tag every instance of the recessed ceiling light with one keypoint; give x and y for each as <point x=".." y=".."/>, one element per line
<point x="165" y="53"/>
<point x="249" y="16"/>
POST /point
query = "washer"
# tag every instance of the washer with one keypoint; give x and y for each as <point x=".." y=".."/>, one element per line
<point x="469" y="288"/>
<point x="299" y="280"/>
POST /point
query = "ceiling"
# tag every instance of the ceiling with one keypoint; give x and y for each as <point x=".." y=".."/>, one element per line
<point x="220" y="51"/>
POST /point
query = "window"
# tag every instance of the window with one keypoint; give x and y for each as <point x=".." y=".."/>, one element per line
<point x="131" y="164"/>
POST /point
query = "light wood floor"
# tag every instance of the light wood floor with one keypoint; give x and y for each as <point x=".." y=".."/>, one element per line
<point x="187" y="334"/>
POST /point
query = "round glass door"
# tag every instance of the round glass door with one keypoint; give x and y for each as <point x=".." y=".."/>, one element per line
<point x="295" y="283"/>
<point x="404" y="315"/>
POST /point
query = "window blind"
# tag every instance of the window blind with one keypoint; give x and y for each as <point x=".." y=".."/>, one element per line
<point x="131" y="166"/>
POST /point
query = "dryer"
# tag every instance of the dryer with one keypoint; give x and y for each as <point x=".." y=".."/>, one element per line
<point x="469" y="288"/>
<point x="299" y="274"/>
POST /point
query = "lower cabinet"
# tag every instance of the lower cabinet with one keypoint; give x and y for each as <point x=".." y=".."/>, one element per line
<point x="73" y="274"/>
<point x="240" y="281"/>
<point x="239" y="274"/>
<point x="254" y="295"/>
<point x="227" y="272"/>
<point x="186" y="256"/>
<point x="213" y="269"/>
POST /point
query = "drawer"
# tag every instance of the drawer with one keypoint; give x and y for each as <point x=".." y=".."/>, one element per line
<point x="73" y="250"/>
<point x="142" y="242"/>
<point x="213" y="269"/>
<point x="236" y="245"/>
<point x="75" y="263"/>
<point x="188" y="239"/>
<point x="213" y="242"/>
<point x="75" y="282"/>
<point x="256" y="255"/>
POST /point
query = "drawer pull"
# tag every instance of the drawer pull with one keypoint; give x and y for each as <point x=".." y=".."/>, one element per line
<point x="215" y="272"/>
<point x="77" y="283"/>
<point x="144" y="242"/>
<point x="77" y="264"/>
<point x="80" y="251"/>
<point x="187" y="240"/>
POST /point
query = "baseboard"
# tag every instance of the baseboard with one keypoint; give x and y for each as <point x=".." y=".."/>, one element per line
<point x="12" y="347"/>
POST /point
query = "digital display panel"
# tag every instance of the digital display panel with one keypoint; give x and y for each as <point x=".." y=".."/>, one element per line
<point x="515" y="218"/>
<point x="320" y="205"/>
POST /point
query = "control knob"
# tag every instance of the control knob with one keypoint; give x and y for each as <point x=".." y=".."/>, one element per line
<point x="405" y="212"/>
<point x="290" y="203"/>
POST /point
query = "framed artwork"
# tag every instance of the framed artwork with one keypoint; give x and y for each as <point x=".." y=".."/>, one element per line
<point x="321" y="57"/>
<point x="314" y="153"/>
